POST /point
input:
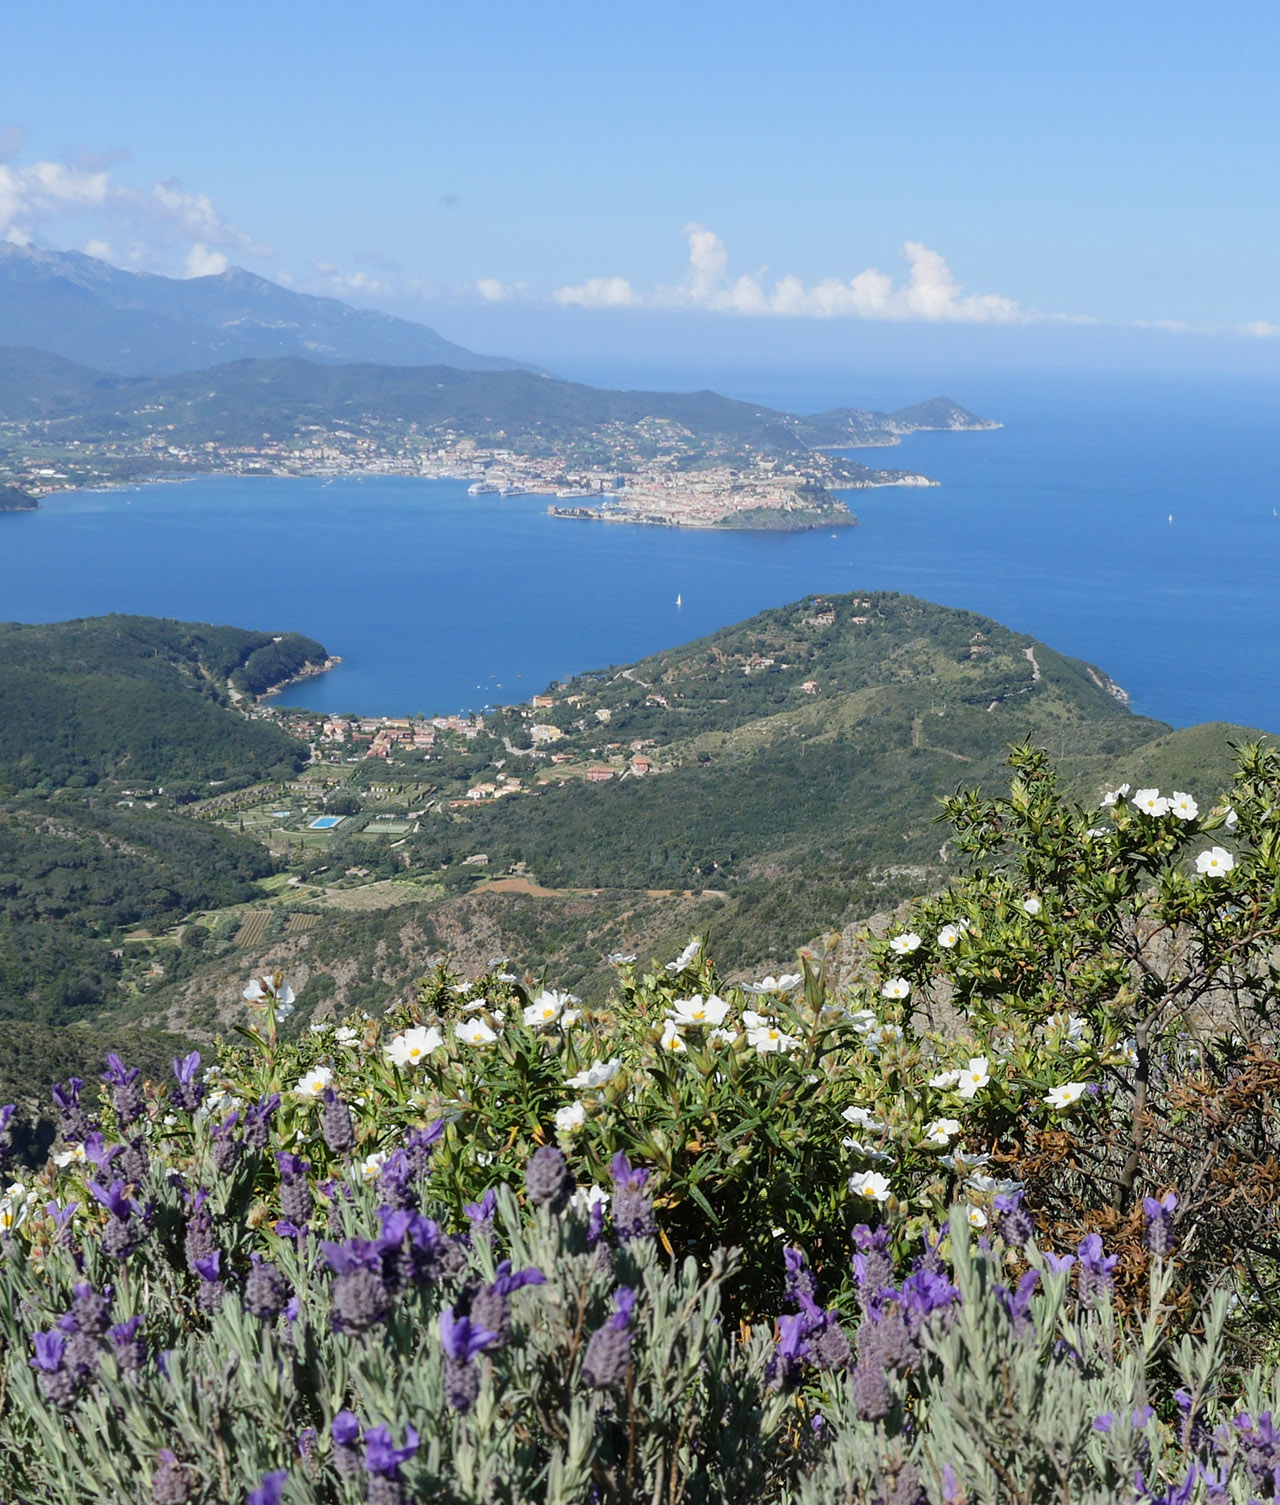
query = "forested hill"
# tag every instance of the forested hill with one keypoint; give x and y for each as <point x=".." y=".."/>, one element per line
<point x="143" y="700"/>
<point x="235" y="403"/>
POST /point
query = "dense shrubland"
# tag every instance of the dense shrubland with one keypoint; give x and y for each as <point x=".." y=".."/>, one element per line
<point x="997" y="1223"/>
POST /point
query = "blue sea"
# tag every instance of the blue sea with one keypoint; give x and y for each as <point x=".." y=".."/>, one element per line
<point x="1131" y="521"/>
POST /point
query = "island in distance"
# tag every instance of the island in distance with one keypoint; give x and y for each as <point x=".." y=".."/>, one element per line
<point x="125" y="391"/>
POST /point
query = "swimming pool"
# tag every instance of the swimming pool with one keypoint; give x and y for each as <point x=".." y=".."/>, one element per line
<point x="326" y="822"/>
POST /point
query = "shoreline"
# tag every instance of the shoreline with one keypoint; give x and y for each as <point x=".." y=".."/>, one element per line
<point x="309" y="671"/>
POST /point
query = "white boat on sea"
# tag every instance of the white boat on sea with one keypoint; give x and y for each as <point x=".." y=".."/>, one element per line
<point x="480" y="488"/>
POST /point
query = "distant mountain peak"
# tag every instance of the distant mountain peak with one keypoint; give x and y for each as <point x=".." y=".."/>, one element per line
<point x="142" y="323"/>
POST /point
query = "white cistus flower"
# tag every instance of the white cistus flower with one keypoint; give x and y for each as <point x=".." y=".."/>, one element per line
<point x="941" y="1131"/>
<point x="546" y="1008"/>
<point x="948" y="935"/>
<point x="896" y="987"/>
<point x="370" y="1167"/>
<point x="1114" y="796"/>
<point x="686" y="957"/>
<point x="314" y="1082"/>
<point x="787" y="983"/>
<point x="976" y="1218"/>
<point x="767" y="1038"/>
<point x="1217" y="862"/>
<point x="1183" y="806"/>
<point x="414" y="1045"/>
<point x="862" y="1118"/>
<point x="474" y="1032"/>
<point x="596" y="1075"/>
<point x="572" y="1116"/>
<point x="1032" y="905"/>
<point x="1150" y="802"/>
<point x="871" y="1185"/>
<point x="905" y="944"/>
<point x="698" y="1011"/>
<point x="945" y="1080"/>
<point x="974" y="1077"/>
<point x="1065" y="1096"/>
<point x="672" y="1039"/>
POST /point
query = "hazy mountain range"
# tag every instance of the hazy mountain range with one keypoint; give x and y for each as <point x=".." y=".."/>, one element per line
<point x="138" y="323"/>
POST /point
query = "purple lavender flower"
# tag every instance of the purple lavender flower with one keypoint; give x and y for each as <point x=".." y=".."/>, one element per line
<point x="1017" y="1304"/>
<point x="632" y="1207"/>
<point x="271" y="1490"/>
<point x="395" y="1180"/>
<point x="6" y="1131"/>
<point x="295" y="1190"/>
<point x="134" y="1160"/>
<point x="98" y="1152"/>
<point x="257" y="1122"/>
<point x="226" y="1145"/>
<point x="212" y="1291"/>
<point x="483" y="1210"/>
<point x="491" y="1307"/>
<point x="1059" y="1264"/>
<point x="188" y="1093"/>
<point x="345" y="1432"/>
<point x="359" y="1299"/>
<point x="336" y="1125"/>
<point x="1259" y="1444"/>
<point x="265" y="1290"/>
<point x="872" y="1397"/>
<point x="548" y="1180"/>
<point x="123" y="1231"/>
<point x="1095" y="1278"/>
<point x="73" y="1121"/>
<point x="608" y="1354"/>
<point x="172" y="1482"/>
<point x="382" y="1461"/>
<point x="129" y="1349"/>
<point x="1015" y="1225"/>
<point x="799" y="1288"/>
<point x="872" y="1263"/>
<point x="419" y="1143"/>
<point x="59" y="1384"/>
<point x="462" y="1340"/>
<point x="924" y="1292"/>
<point x="90" y="1308"/>
<point x="126" y="1095"/>
<point x="1159" y="1236"/>
<point x="198" y="1241"/>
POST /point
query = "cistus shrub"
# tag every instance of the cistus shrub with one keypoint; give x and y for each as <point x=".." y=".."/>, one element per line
<point x="998" y="1221"/>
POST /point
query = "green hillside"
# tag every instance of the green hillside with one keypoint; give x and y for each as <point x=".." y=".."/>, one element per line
<point x="140" y="700"/>
<point x="236" y="402"/>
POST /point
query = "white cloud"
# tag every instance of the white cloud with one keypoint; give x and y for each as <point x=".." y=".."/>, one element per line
<point x="929" y="293"/>
<point x="166" y="225"/>
<point x="599" y="292"/>
<point x="202" y="262"/>
<point x="1261" y="329"/>
<point x="493" y="291"/>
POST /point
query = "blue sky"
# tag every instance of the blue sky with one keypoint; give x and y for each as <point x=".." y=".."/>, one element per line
<point x="575" y="172"/>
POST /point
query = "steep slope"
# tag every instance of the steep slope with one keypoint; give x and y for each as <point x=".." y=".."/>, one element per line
<point x="136" y="322"/>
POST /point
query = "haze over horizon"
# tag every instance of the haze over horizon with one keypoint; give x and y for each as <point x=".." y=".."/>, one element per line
<point x="996" y="188"/>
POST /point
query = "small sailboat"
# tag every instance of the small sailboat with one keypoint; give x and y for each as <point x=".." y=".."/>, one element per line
<point x="679" y="600"/>
<point x="1171" y="517"/>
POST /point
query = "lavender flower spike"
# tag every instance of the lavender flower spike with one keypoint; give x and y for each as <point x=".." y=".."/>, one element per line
<point x="189" y="1091"/>
<point x="1159" y="1236"/>
<point x="271" y="1490"/>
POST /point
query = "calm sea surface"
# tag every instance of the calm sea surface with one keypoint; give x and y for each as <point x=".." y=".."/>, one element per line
<point x="1132" y="523"/>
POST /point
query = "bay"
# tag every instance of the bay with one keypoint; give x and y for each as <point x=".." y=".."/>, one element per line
<point x="1129" y="521"/>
